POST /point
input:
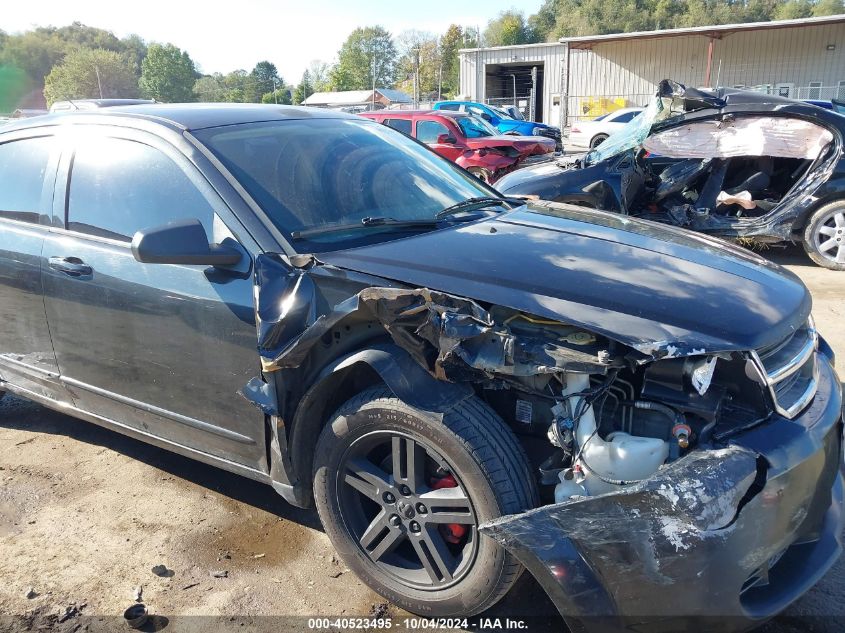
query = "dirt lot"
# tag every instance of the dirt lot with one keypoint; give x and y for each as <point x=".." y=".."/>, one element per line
<point x="85" y="515"/>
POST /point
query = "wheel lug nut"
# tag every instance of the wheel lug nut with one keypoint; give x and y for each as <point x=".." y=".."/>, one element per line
<point x="388" y="497"/>
<point x="405" y="490"/>
<point x="421" y="508"/>
<point x="415" y="527"/>
<point x="395" y="520"/>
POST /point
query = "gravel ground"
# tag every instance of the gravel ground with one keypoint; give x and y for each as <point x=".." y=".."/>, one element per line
<point x="86" y="514"/>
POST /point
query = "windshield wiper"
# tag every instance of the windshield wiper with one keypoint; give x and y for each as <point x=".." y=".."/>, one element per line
<point x="477" y="203"/>
<point x="362" y="224"/>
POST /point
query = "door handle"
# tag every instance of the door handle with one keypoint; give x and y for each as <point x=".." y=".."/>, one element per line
<point x="72" y="266"/>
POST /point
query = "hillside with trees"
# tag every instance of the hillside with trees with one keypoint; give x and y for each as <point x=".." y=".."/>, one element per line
<point x="80" y="61"/>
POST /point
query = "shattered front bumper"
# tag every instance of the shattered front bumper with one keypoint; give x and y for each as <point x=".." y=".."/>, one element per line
<point x="717" y="541"/>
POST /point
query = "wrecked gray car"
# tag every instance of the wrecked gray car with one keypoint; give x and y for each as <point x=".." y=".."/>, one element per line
<point x="464" y="385"/>
<point x="736" y="164"/>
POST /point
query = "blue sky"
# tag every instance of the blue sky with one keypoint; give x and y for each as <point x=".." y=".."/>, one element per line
<point x="224" y="36"/>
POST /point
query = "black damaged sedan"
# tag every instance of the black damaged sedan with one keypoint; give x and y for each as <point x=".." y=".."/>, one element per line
<point x="463" y="384"/>
<point x="737" y="164"/>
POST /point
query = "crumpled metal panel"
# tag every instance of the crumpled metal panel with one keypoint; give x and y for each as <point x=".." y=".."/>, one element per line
<point x="444" y="333"/>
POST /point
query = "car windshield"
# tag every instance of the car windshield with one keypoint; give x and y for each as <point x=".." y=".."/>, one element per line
<point x="632" y="134"/>
<point x="500" y="112"/>
<point x="474" y="127"/>
<point x="311" y="173"/>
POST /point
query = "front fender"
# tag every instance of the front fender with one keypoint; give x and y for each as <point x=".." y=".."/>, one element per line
<point x="404" y="377"/>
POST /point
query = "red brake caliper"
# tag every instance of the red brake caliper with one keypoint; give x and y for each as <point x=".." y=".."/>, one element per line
<point x="451" y="532"/>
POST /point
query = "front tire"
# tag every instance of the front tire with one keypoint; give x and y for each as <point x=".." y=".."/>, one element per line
<point x="597" y="140"/>
<point x="824" y="236"/>
<point x="401" y="493"/>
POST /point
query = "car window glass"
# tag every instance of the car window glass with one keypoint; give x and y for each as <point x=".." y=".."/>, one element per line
<point x="311" y="173"/>
<point x="428" y="131"/>
<point x="449" y="106"/>
<point x="118" y="187"/>
<point x="625" y="117"/>
<point x="23" y="165"/>
<point x="403" y="125"/>
<point x="473" y="127"/>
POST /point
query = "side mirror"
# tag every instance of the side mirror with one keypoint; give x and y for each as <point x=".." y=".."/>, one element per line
<point x="181" y="242"/>
<point x="446" y="139"/>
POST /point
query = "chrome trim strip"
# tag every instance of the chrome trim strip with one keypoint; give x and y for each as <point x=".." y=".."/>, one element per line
<point x="774" y="378"/>
<point x="796" y="363"/>
<point x="805" y="398"/>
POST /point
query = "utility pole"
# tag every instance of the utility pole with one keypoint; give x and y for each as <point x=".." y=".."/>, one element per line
<point x="99" y="83"/>
<point x="275" y="93"/>
<point x="373" y="96"/>
<point x="416" y="77"/>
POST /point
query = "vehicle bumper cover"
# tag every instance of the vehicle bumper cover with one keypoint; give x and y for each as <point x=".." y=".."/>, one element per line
<point x="678" y="551"/>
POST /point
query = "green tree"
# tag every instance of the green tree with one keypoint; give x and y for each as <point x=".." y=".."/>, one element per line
<point x="167" y="74"/>
<point x="507" y="29"/>
<point x="210" y="89"/>
<point x="320" y="75"/>
<point x="304" y="89"/>
<point x="80" y="35"/>
<point x="366" y="52"/>
<point x="91" y="73"/>
<point x="828" y="7"/>
<point x="543" y="22"/>
<point x="280" y="96"/>
<point x="34" y="52"/>
<point x="451" y="42"/>
<point x="135" y="50"/>
<point x="264" y="79"/>
<point x="420" y="55"/>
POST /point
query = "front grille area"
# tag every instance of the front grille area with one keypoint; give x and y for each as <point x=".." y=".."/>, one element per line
<point x="550" y="132"/>
<point x="789" y="370"/>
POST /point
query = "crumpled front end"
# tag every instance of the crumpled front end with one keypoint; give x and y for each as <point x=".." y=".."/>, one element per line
<point x="735" y="534"/>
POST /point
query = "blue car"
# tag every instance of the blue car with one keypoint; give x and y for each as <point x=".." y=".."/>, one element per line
<point x="502" y="120"/>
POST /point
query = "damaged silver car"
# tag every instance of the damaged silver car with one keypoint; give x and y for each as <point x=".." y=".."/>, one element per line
<point x="740" y="165"/>
<point x="464" y="385"/>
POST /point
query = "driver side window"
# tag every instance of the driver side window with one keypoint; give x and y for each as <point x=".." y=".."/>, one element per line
<point x="118" y="187"/>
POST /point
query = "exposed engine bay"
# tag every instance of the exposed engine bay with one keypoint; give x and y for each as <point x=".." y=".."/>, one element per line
<point x="593" y="433"/>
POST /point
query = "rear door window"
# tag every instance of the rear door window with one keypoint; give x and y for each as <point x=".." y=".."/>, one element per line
<point x="403" y="125"/>
<point x="428" y="131"/>
<point x="23" y="168"/>
<point x="624" y="117"/>
<point x="118" y="187"/>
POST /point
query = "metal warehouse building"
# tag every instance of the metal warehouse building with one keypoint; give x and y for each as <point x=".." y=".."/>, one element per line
<point x="583" y="77"/>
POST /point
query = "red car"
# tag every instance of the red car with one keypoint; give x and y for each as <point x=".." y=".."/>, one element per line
<point x="466" y="140"/>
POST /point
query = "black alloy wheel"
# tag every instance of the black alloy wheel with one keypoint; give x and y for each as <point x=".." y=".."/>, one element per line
<point x="404" y="505"/>
<point x="401" y="493"/>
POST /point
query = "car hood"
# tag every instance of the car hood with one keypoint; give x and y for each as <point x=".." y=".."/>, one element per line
<point x="661" y="290"/>
<point x="526" y="145"/>
<point x="513" y="181"/>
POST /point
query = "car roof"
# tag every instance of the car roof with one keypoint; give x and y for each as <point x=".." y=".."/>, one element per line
<point x="188" y="116"/>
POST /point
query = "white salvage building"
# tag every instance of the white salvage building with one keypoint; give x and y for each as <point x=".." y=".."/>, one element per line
<point x="583" y="77"/>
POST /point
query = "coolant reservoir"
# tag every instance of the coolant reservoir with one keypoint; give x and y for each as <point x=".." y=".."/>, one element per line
<point x="620" y="457"/>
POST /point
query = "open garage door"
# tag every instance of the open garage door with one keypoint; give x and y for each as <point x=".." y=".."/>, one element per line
<point x="518" y="84"/>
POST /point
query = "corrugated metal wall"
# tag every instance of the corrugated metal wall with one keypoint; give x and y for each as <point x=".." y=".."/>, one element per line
<point x="797" y="62"/>
<point x="551" y="56"/>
